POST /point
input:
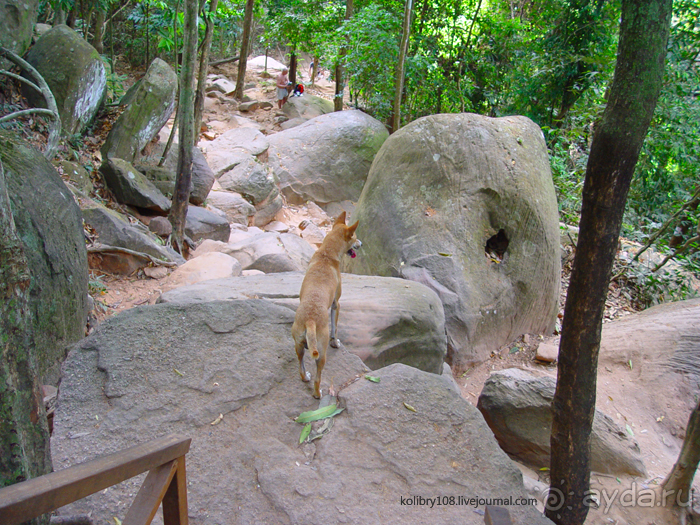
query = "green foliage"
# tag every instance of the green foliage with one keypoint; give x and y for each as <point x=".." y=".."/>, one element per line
<point x="373" y="42"/>
<point x="668" y="172"/>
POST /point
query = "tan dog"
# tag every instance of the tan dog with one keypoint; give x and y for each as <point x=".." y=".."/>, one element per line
<point x="320" y="292"/>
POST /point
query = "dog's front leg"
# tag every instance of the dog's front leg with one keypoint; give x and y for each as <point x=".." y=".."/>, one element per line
<point x="335" y="311"/>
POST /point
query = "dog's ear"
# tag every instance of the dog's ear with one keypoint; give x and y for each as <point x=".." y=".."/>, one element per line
<point x="340" y="219"/>
<point x="351" y="229"/>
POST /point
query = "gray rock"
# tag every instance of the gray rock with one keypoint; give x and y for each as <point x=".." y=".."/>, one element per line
<point x="272" y="252"/>
<point x="307" y="107"/>
<point x="203" y="224"/>
<point x="517" y="407"/>
<point x="50" y="227"/>
<point x="236" y="208"/>
<point x="202" y="175"/>
<point x="75" y="73"/>
<point x="16" y="26"/>
<point x="113" y="230"/>
<point x="77" y="174"/>
<point x="161" y="226"/>
<point x="249" y="106"/>
<point x="236" y="360"/>
<point x="251" y="179"/>
<point x="232" y="147"/>
<point x="383" y="320"/>
<point x="266" y="211"/>
<point x="326" y="159"/>
<point x="442" y="192"/>
<point x="131" y="187"/>
<point x="149" y="108"/>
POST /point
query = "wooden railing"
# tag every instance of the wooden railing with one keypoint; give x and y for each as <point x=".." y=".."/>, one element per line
<point x="166" y="482"/>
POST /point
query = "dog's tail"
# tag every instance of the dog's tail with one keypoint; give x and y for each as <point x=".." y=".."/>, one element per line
<point x="311" y="338"/>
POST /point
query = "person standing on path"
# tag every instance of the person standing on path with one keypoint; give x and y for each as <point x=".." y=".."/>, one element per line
<point x="282" y="88"/>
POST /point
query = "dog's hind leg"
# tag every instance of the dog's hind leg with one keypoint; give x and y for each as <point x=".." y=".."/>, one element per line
<point x="335" y="312"/>
<point x="322" y="336"/>
<point x="300" y="346"/>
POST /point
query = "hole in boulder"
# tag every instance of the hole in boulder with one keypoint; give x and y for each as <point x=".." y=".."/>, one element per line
<point x="497" y="245"/>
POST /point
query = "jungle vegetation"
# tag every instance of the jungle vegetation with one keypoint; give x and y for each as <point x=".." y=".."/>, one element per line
<point x="551" y="61"/>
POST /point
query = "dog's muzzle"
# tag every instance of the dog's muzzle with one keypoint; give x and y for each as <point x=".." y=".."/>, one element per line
<point x="351" y="252"/>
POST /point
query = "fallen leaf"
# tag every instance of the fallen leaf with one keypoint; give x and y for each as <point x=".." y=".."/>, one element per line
<point x="514" y="350"/>
<point x="629" y="363"/>
<point x="373" y="379"/>
<point x="320" y="413"/>
<point x="660" y="419"/>
<point x="305" y="433"/>
<point x="410" y="407"/>
<point x="445" y="254"/>
<point x="217" y="420"/>
<point x="178" y="372"/>
<point x="117" y="521"/>
<point x="629" y="430"/>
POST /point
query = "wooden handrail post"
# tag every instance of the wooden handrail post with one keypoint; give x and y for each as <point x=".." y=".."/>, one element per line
<point x="164" y="457"/>
<point x="175" y="500"/>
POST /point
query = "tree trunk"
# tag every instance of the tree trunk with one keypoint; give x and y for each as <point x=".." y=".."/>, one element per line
<point x="400" y="67"/>
<point x="245" y="39"/>
<point x="203" y="68"/>
<point x="98" y="39"/>
<point x="679" y="481"/>
<point x="24" y="433"/>
<point x="293" y="67"/>
<point x="618" y="139"/>
<point x="339" y="70"/>
<point x="178" y="211"/>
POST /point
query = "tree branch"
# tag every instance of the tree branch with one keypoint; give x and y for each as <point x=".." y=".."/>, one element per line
<point x="45" y="90"/>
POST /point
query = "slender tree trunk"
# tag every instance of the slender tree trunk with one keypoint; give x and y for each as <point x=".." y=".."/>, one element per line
<point x="293" y="66"/>
<point x="24" y="433"/>
<point x="98" y="39"/>
<point x="401" y="66"/>
<point x="203" y="68"/>
<point x="245" y="40"/>
<point x="339" y="69"/>
<point x="618" y="139"/>
<point x="178" y="211"/>
<point x="176" y="48"/>
<point x="148" y="36"/>
<point x="680" y="479"/>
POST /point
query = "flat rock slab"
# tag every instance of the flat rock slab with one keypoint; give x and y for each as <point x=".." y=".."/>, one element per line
<point x="382" y="320"/>
<point x="120" y="388"/>
<point x="231" y="148"/>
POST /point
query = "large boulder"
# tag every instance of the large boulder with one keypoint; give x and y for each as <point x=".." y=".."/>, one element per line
<point x="236" y="208"/>
<point x="256" y="182"/>
<point x="50" y="227"/>
<point x="75" y="73"/>
<point x="466" y="205"/>
<point x="307" y="107"/>
<point x="518" y="408"/>
<point x="202" y="177"/>
<point x="16" y="24"/>
<point x="150" y="106"/>
<point x="272" y="252"/>
<point x="203" y="224"/>
<point x="226" y="375"/>
<point x="114" y="230"/>
<point x="383" y="320"/>
<point x="233" y="147"/>
<point x="131" y="187"/>
<point x="326" y="159"/>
